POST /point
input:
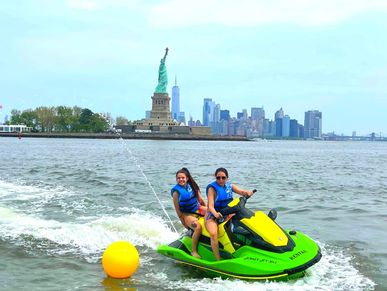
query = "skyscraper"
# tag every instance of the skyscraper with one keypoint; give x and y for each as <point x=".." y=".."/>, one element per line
<point x="294" y="128"/>
<point x="285" y="126"/>
<point x="208" y="111"/>
<point x="175" y="101"/>
<point x="215" y="120"/>
<point x="279" y="114"/>
<point x="211" y="115"/>
<point x="257" y="113"/>
<point x="257" y="120"/>
<point x="269" y="127"/>
<point x="224" y="115"/>
<point x="245" y="115"/>
<point x="278" y="127"/>
<point x="313" y="124"/>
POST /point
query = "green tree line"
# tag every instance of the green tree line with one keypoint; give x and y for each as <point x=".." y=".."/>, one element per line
<point x="61" y="119"/>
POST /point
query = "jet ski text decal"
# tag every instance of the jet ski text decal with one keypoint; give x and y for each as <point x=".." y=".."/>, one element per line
<point x="297" y="254"/>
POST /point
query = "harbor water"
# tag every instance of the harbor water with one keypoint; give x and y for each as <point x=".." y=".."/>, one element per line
<point x="63" y="201"/>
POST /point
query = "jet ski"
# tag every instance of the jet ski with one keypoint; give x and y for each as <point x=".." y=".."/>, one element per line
<point x="252" y="246"/>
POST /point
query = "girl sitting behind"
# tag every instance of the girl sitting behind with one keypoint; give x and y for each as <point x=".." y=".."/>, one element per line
<point x="189" y="205"/>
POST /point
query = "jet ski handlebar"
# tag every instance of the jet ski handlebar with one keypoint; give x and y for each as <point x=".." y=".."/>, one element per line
<point x="247" y="197"/>
<point x="237" y="208"/>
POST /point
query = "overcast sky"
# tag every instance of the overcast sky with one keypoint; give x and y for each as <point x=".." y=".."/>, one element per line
<point x="104" y="55"/>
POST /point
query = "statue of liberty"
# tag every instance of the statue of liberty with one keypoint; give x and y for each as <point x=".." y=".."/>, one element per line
<point x="163" y="78"/>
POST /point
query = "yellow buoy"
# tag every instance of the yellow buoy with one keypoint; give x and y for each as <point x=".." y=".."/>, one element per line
<point x="120" y="260"/>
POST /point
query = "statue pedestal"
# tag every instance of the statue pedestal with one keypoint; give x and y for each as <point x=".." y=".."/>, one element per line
<point x="160" y="115"/>
<point x="161" y="107"/>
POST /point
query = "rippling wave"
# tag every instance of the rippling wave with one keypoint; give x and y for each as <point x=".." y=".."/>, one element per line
<point x="66" y="200"/>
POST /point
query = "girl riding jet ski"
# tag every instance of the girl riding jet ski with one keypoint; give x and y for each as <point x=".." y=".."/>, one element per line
<point x="252" y="246"/>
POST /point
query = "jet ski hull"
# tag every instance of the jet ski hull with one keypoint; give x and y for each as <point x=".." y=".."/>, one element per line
<point x="248" y="262"/>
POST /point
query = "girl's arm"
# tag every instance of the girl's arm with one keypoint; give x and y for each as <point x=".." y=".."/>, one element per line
<point x="201" y="200"/>
<point x="240" y="191"/>
<point x="211" y="199"/>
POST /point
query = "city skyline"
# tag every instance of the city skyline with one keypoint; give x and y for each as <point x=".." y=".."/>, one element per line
<point x="103" y="55"/>
<point x="258" y="124"/>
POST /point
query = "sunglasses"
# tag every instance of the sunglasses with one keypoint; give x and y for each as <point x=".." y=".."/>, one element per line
<point x="221" y="177"/>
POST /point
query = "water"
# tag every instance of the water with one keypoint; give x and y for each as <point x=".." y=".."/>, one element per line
<point x="63" y="201"/>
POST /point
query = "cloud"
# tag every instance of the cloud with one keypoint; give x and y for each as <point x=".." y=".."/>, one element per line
<point x="176" y="13"/>
<point x="102" y="4"/>
<point x="82" y="4"/>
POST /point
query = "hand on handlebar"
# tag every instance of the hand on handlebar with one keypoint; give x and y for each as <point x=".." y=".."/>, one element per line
<point x="250" y="192"/>
<point x="218" y="215"/>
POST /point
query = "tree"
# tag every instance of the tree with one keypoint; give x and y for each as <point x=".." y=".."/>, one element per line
<point x="74" y="122"/>
<point x="29" y="118"/>
<point x="15" y="117"/>
<point x="63" y="118"/>
<point x="85" y="119"/>
<point x="120" y="120"/>
<point x="93" y="122"/>
<point x="99" y="123"/>
<point x="46" y="118"/>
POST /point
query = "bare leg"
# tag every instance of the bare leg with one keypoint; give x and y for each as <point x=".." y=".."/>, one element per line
<point x="212" y="228"/>
<point x="193" y="223"/>
<point x="195" y="238"/>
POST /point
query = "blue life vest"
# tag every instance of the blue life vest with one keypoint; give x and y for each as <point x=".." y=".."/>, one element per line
<point x="188" y="202"/>
<point x="223" y="194"/>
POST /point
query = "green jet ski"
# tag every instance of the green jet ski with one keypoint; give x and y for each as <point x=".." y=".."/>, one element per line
<point x="252" y="246"/>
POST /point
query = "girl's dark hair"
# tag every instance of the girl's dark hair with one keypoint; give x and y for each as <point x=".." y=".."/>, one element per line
<point x="191" y="180"/>
<point x="221" y="170"/>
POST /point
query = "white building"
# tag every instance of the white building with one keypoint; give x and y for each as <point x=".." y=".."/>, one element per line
<point x="14" y="128"/>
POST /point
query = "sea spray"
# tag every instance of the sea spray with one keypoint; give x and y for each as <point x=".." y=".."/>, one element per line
<point x="88" y="239"/>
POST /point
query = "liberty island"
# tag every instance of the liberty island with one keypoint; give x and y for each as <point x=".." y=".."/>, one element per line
<point x="160" y="121"/>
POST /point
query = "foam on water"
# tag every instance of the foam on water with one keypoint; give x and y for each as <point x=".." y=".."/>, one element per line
<point x="142" y="228"/>
<point x="9" y="189"/>
<point x="36" y="195"/>
<point x="83" y="239"/>
<point x="37" y="198"/>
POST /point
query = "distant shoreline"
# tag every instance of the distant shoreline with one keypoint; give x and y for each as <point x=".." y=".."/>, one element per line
<point x="153" y="136"/>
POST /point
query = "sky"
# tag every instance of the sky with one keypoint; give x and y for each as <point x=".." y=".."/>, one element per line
<point x="326" y="55"/>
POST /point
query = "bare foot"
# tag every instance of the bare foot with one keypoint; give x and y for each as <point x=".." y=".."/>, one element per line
<point x="196" y="255"/>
